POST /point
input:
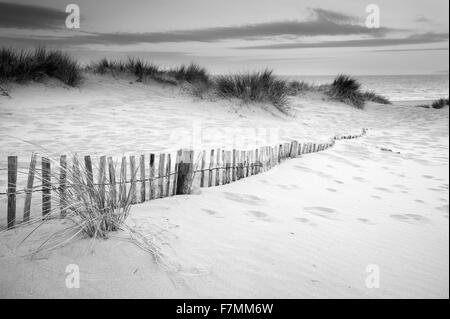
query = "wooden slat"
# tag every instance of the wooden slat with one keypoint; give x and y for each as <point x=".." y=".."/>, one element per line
<point x="211" y="165"/>
<point x="112" y="182"/>
<point x="168" y="167"/>
<point x="62" y="184"/>
<point x="233" y="169"/>
<point x="151" y="177"/>
<point x="175" y="178"/>
<point x="46" y="187"/>
<point x="133" y="173"/>
<point x="218" y="167"/>
<point x="162" y="159"/>
<point x="89" y="175"/>
<point x="29" y="189"/>
<point x="123" y="181"/>
<point x="12" y="185"/>
<point x="142" y="177"/>
<point x="185" y="172"/>
<point x="102" y="180"/>
<point x="203" y="167"/>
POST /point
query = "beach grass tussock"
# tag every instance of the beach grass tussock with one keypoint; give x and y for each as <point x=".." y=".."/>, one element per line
<point x="439" y="104"/>
<point x="93" y="209"/>
<point x="346" y="89"/>
<point x="38" y="64"/>
<point x="262" y="87"/>
<point x="374" y="97"/>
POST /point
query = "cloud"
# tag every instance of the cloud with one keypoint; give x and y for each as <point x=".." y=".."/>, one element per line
<point x="422" y="38"/>
<point x="30" y="17"/>
<point x="409" y="50"/>
<point x="422" y="19"/>
<point x="321" y="22"/>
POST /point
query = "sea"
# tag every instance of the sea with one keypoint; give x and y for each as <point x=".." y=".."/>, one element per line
<point x="396" y="87"/>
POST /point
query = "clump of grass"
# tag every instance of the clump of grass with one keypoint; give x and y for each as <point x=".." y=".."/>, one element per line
<point x="95" y="209"/>
<point x="262" y="87"/>
<point x="37" y="64"/>
<point x="374" y="97"/>
<point x="298" y="87"/>
<point x="439" y="104"/>
<point x="347" y="90"/>
<point x="133" y="66"/>
<point x="191" y="74"/>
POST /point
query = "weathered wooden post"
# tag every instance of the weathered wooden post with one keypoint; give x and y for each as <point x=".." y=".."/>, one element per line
<point x="11" y="190"/>
<point x="211" y="165"/>
<point x="29" y="189"/>
<point x="202" y="171"/>
<point x="102" y="180"/>
<point x="62" y="184"/>
<point x="46" y="187"/>
<point x="217" y="167"/>
<point x="142" y="169"/>
<point x="168" y="168"/>
<point x="112" y="181"/>
<point x="185" y="172"/>
<point x="123" y="181"/>
<point x="133" y="179"/>
<point x="233" y="169"/>
<point x="89" y="175"/>
<point x="162" y="159"/>
<point x="151" y="183"/>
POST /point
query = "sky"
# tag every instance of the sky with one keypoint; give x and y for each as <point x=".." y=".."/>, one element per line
<point x="293" y="37"/>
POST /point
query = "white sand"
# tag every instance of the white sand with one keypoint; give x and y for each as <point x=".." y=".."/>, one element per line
<point x="307" y="228"/>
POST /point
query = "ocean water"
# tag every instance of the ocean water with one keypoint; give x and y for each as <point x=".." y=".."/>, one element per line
<point x="396" y="87"/>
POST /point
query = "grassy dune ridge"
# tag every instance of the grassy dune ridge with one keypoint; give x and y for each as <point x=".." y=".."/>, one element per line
<point x="263" y="87"/>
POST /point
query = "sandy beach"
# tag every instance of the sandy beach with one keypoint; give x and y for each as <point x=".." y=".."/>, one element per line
<point x="311" y="227"/>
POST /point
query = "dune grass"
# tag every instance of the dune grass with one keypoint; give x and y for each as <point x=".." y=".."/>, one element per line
<point x="374" y="97"/>
<point x="37" y="64"/>
<point x="439" y="104"/>
<point x="262" y="87"/>
<point x="347" y="89"/>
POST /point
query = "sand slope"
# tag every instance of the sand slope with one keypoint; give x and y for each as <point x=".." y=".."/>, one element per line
<point x="308" y="228"/>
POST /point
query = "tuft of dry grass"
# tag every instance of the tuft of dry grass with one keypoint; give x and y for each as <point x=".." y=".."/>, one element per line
<point x="262" y="87"/>
<point x="35" y="65"/>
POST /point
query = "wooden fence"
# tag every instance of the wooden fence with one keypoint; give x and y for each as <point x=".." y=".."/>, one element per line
<point x="213" y="168"/>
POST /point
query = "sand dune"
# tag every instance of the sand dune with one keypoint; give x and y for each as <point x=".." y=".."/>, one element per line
<point x="311" y="227"/>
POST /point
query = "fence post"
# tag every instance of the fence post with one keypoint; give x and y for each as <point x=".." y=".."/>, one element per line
<point x="46" y="187"/>
<point x="102" y="180"/>
<point x="211" y="165"/>
<point x="151" y="183"/>
<point x="142" y="169"/>
<point x="12" y="185"/>
<point x="202" y="172"/>
<point x="162" y="159"/>
<point x="133" y="179"/>
<point x="218" y="167"/>
<point x="29" y="189"/>
<point x="112" y="181"/>
<point x="177" y="162"/>
<point x="168" y="164"/>
<point x="233" y="166"/>
<point x="123" y="181"/>
<point x="185" y="172"/>
<point x="62" y="184"/>
<point x="90" y="176"/>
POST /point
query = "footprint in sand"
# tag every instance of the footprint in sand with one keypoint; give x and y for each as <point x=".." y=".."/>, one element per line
<point x="359" y="179"/>
<point x="383" y="189"/>
<point x="324" y="212"/>
<point x="211" y="212"/>
<point x="304" y="221"/>
<point x="259" y="215"/>
<point x="427" y="176"/>
<point x="244" y="198"/>
<point x="365" y="221"/>
<point x="410" y="218"/>
<point x="333" y="190"/>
